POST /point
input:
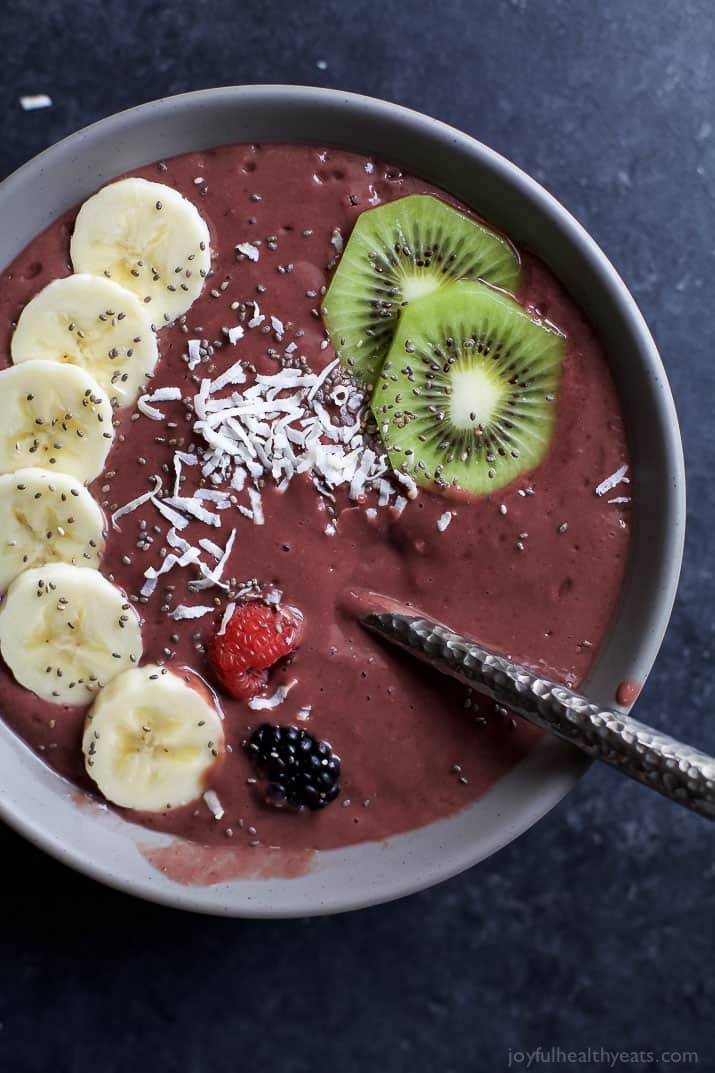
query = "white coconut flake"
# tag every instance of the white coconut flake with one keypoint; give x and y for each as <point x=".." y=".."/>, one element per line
<point x="233" y="375"/>
<point x="248" y="250"/>
<point x="610" y="482"/>
<point x="213" y="804"/>
<point x="399" y="504"/>
<point x="214" y="495"/>
<point x="193" y="507"/>
<point x="322" y="377"/>
<point x="444" y="520"/>
<point x="200" y="399"/>
<point x="180" y="459"/>
<point x="175" y="541"/>
<point x="162" y="394"/>
<point x="227" y="616"/>
<point x="277" y="326"/>
<point x="238" y="479"/>
<point x="407" y="482"/>
<point x="34" y="101"/>
<point x="234" y="334"/>
<point x="259" y="704"/>
<point x="256" y="506"/>
<point x="172" y="516"/>
<point x="304" y="712"/>
<point x="184" y="611"/>
<point x="134" y="503"/>
<point x="211" y="548"/>
<point x="620" y="499"/>
<point x="194" y="352"/>
<point x="385" y="490"/>
<point x="191" y="555"/>
<point x="336" y="240"/>
<point x="149" y="411"/>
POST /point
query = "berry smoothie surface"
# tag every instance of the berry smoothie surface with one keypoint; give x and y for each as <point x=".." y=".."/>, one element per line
<point x="533" y="570"/>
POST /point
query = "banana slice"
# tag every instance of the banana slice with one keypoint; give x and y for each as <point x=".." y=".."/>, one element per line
<point x="47" y="518"/>
<point x="148" y="238"/>
<point x="151" y="739"/>
<point x="53" y="416"/>
<point x="95" y="324"/>
<point x="65" y="631"/>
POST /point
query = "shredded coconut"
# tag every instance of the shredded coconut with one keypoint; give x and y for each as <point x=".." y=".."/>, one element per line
<point x="233" y="375"/>
<point x="184" y="611"/>
<point x="610" y="482"/>
<point x="134" y="503"/>
<point x="163" y="394"/>
<point x="194" y="352"/>
<point x="227" y="616"/>
<point x="444" y="520"/>
<point x="172" y="516"/>
<point x="256" y="505"/>
<point x="249" y="433"/>
<point x="248" y="250"/>
<point x="258" y="704"/>
<point x="213" y="804"/>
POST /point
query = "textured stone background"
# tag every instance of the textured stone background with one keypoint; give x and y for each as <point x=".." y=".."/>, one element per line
<point x="594" y="929"/>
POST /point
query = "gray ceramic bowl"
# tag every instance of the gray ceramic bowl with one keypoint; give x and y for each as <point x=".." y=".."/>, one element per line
<point x="90" y="838"/>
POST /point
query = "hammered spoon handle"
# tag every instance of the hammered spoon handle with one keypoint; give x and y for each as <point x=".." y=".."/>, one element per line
<point x="674" y="769"/>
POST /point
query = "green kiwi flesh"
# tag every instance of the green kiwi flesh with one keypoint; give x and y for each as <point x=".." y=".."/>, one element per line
<point x="397" y="253"/>
<point x="467" y="393"/>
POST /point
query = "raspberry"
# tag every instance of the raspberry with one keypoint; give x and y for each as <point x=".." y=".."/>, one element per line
<point x="244" y="684"/>
<point x="256" y="637"/>
<point x="301" y="771"/>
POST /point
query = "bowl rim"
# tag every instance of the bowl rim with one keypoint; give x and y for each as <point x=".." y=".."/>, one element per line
<point x="570" y="765"/>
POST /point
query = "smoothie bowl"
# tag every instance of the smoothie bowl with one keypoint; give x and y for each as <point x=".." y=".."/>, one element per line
<point x="261" y="348"/>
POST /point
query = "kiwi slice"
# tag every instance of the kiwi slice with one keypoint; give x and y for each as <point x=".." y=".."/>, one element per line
<point x="467" y="394"/>
<point x="397" y="253"/>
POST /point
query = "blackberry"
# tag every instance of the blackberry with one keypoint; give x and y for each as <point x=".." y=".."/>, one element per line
<point x="301" y="770"/>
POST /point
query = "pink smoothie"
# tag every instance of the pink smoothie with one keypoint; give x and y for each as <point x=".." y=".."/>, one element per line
<point x="534" y="570"/>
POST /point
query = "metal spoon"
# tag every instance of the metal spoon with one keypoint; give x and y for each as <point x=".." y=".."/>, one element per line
<point x="674" y="769"/>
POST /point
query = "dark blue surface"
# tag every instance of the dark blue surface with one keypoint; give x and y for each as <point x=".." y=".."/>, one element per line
<point x="595" y="929"/>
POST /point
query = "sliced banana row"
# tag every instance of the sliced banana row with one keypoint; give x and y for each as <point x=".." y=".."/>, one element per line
<point x="151" y="739"/>
<point x="65" y="631"/>
<point x="84" y="344"/>
<point x="47" y="518"/>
